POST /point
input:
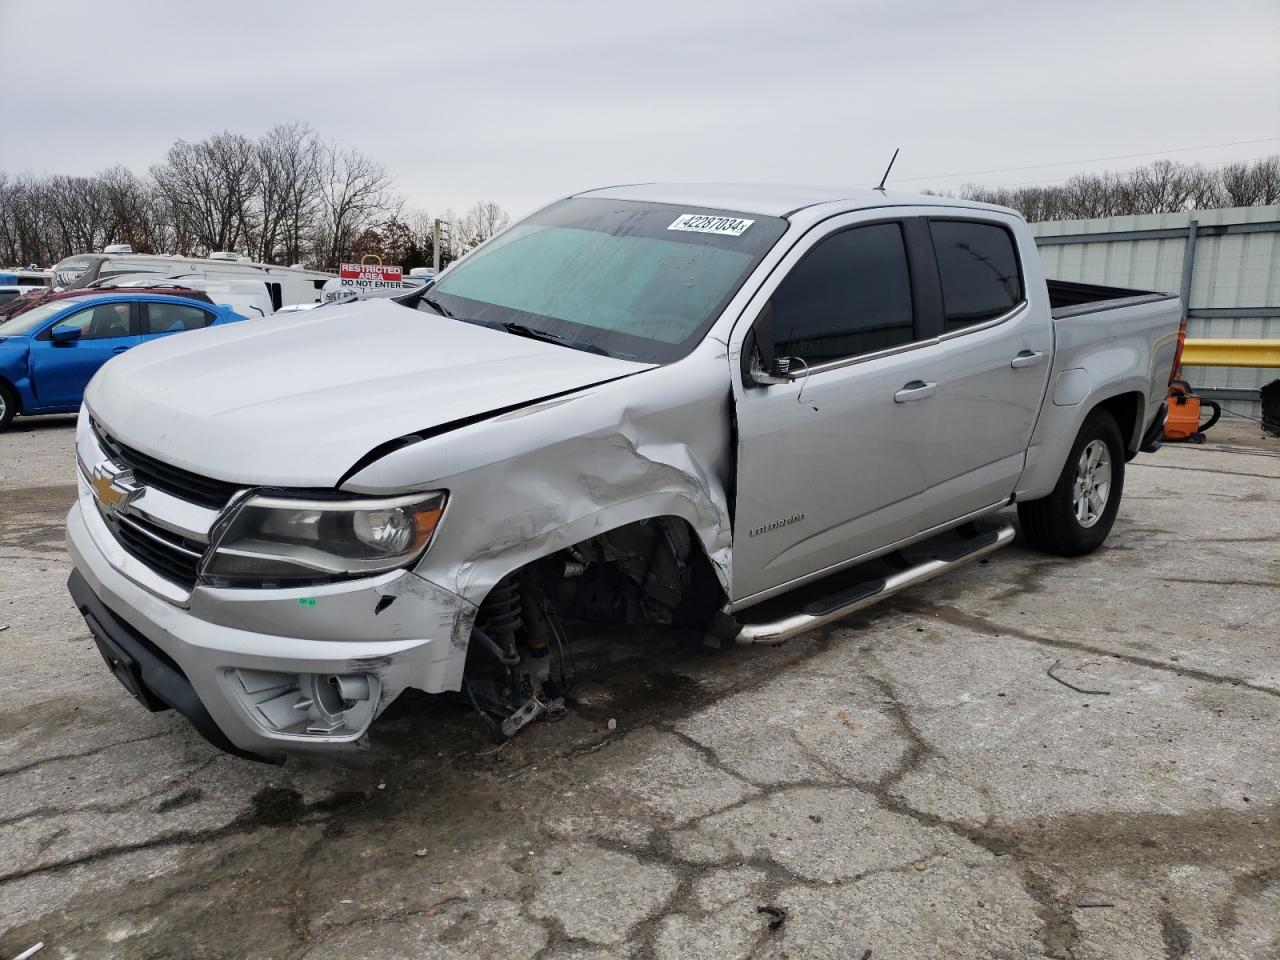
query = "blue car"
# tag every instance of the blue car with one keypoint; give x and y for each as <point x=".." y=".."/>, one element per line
<point x="49" y="353"/>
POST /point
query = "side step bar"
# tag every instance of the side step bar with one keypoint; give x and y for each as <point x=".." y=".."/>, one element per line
<point x="864" y="595"/>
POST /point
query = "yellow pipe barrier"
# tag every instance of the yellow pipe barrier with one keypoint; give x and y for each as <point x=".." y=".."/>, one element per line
<point x="1231" y="353"/>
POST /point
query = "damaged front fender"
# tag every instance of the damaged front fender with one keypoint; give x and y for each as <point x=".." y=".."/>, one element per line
<point x="537" y="480"/>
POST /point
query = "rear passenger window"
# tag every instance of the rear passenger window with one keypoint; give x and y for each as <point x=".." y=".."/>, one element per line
<point x="172" y="317"/>
<point x="978" y="267"/>
<point x="851" y="294"/>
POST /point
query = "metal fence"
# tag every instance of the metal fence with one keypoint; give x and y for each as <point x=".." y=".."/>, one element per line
<point x="1224" y="263"/>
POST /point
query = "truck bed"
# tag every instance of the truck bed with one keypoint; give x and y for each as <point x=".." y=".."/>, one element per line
<point x="1068" y="299"/>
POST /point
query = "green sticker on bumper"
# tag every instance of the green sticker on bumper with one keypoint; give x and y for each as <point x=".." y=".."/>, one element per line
<point x="306" y="601"/>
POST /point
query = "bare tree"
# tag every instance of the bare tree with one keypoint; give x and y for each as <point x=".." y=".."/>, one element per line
<point x="210" y="185"/>
<point x="288" y="190"/>
<point x="1247" y="185"/>
<point x="289" y="197"/>
<point x="354" y="191"/>
<point x="478" y="224"/>
<point x="1160" y="187"/>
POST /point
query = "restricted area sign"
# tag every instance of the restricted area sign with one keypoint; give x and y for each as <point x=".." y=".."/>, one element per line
<point x="366" y="280"/>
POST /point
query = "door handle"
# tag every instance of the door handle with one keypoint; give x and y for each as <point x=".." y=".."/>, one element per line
<point x="119" y="349"/>
<point x="1027" y="358"/>
<point x="916" y="390"/>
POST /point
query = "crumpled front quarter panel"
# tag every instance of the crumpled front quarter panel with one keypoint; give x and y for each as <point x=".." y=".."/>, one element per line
<point x="542" y="478"/>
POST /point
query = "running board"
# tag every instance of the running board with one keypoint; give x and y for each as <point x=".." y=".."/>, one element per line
<point x="841" y="605"/>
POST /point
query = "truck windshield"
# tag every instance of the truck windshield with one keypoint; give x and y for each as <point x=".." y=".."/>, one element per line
<point x="636" y="280"/>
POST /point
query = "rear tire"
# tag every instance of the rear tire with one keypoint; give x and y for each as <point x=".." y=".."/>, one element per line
<point x="1077" y="516"/>
<point x="8" y="405"/>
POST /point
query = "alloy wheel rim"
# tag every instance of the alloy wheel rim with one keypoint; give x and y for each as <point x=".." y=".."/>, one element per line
<point x="1092" y="487"/>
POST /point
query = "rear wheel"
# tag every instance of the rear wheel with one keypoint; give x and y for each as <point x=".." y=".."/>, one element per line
<point x="8" y="405"/>
<point x="1077" y="516"/>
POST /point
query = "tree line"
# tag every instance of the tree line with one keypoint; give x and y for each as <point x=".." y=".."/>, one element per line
<point x="291" y="196"/>
<point x="1165" y="186"/>
<point x="287" y="197"/>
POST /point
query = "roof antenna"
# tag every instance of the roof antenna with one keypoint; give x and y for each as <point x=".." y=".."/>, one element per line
<point x="887" y="169"/>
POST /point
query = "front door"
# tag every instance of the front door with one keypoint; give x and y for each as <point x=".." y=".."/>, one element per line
<point x="61" y="370"/>
<point x="833" y="463"/>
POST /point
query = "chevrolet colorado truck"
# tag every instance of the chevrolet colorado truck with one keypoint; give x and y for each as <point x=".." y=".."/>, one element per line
<point x="741" y="411"/>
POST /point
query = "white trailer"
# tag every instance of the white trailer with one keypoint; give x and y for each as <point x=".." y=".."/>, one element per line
<point x="285" y="285"/>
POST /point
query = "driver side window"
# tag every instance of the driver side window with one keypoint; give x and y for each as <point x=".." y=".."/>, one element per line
<point x="849" y="295"/>
<point x="102" y="322"/>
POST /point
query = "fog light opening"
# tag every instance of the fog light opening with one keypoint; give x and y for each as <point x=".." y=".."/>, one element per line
<point x="335" y="703"/>
<point x="310" y="704"/>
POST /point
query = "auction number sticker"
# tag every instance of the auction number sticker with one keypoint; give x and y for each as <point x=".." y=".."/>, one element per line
<point x="701" y="223"/>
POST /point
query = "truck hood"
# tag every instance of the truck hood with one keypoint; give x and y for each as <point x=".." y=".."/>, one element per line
<point x="297" y="400"/>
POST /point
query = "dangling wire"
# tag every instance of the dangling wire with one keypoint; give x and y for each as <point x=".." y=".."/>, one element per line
<point x="567" y="680"/>
<point x="803" y="383"/>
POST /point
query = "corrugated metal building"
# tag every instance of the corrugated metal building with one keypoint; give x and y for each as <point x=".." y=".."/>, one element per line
<point x="1225" y="263"/>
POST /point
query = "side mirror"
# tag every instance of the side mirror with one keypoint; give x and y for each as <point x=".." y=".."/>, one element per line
<point x="764" y="366"/>
<point x="778" y="371"/>
<point x="65" y="334"/>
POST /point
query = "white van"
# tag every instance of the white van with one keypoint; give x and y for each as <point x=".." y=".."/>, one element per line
<point x="249" y="298"/>
<point x="285" y="285"/>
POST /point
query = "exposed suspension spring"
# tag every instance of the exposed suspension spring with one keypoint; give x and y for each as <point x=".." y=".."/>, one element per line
<point x="497" y="621"/>
<point x="499" y="615"/>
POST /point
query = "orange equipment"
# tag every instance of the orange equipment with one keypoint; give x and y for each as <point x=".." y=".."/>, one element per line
<point x="1182" y="422"/>
<point x="1183" y="419"/>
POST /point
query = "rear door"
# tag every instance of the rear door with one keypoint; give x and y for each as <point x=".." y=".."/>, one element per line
<point x="61" y="370"/>
<point x="162" y="319"/>
<point x="999" y="348"/>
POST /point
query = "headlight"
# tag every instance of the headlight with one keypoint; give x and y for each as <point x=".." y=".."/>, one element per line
<point x="274" y="541"/>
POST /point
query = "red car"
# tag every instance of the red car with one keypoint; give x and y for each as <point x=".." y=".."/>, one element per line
<point x="45" y="294"/>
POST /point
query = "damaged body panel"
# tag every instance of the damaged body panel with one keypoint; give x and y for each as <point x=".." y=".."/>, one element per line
<point x="653" y="404"/>
<point x="656" y="445"/>
<point x="297" y="401"/>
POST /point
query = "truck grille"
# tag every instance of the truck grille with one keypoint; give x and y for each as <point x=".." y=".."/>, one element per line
<point x="173" y="557"/>
<point x="205" y="491"/>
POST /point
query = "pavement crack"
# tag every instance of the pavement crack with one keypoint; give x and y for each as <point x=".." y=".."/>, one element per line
<point x="1059" y="933"/>
<point x="175" y="839"/>
<point x="919" y="750"/>
<point x="1221" y="473"/>
<point x="23" y="768"/>
<point x="272" y="807"/>
<point x="712" y="758"/>
<point x="49" y="812"/>
<point x="987" y="628"/>
<point x="1200" y="582"/>
<point x="1176" y="937"/>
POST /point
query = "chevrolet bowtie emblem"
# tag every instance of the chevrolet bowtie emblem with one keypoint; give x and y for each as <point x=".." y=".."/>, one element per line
<point x="113" y="488"/>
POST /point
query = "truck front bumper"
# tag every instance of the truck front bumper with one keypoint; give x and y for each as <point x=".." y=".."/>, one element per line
<point x="266" y="673"/>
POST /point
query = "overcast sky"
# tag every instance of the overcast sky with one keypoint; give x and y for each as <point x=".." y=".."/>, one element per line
<point x="520" y="102"/>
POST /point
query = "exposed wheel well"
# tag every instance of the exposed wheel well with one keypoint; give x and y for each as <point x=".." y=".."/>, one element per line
<point x="654" y="570"/>
<point x="1127" y="409"/>
<point x="13" y="392"/>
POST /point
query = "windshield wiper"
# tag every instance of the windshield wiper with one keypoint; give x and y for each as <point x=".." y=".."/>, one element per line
<point x="520" y="330"/>
<point x="444" y="311"/>
<point x="438" y="307"/>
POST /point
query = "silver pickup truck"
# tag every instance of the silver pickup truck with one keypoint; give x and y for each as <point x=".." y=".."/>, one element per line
<point x="743" y="411"/>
